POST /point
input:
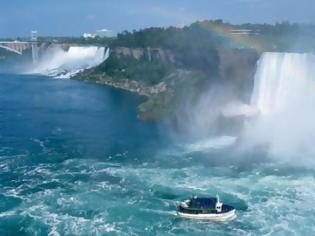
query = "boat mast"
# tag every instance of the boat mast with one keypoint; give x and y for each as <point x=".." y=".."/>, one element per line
<point x="218" y="205"/>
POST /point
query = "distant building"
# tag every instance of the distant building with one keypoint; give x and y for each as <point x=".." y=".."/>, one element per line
<point x="34" y="35"/>
<point x="244" y="32"/>
<point x="88" y="36"/>
<point x="105" y="33"/>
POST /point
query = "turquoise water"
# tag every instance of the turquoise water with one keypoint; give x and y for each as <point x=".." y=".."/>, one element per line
<point x="74" y="160"/>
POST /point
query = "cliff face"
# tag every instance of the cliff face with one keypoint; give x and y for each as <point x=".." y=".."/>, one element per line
<point x="178" y="77"/>
<point x="150" y="54"/>
<point x="237" y="69"/>
<point x="235" y="64"/>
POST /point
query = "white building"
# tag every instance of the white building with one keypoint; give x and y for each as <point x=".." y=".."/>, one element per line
<point x="243" y="32"/>
<point x="103" y="33"/>
<point x="88" y="36"/>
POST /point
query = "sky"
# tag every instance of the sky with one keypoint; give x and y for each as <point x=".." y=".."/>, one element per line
<point x="74" y="17"/>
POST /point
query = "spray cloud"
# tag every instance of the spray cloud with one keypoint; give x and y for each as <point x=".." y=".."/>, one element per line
<point x="284" y="96"/>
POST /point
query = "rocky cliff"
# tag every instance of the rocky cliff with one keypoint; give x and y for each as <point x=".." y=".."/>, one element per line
<point x="170" y="79"/>
<point x="150" y="54"/>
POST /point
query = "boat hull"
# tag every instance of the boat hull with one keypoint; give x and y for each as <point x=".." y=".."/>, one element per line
<point x="214" y="217"/>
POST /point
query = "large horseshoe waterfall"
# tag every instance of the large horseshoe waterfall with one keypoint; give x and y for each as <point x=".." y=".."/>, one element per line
<point x="284" y="96"/>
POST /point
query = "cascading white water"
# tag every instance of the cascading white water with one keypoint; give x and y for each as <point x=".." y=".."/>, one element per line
<point x="59" y="63"/>
<point x="283" y="78"/>
<point x="284" y="96"/>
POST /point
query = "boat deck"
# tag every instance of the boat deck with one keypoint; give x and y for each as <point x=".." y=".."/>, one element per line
<point x="204" y="206"/>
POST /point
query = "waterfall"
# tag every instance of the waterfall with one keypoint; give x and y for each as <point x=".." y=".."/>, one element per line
<point x="284" y="96"/>
<point x="61" y="63"/>
<point x="283" y="79"/>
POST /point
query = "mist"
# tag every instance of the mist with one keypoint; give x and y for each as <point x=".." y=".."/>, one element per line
<point x="278" y="119"/>
<point x="284" y="96"/>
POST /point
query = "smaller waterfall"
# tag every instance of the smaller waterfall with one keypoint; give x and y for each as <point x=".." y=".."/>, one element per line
<point x="59" y="63"/>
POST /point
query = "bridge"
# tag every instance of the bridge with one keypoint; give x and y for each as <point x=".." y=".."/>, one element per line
<point x="15" y="46"/>
<point x="19" y="46"/>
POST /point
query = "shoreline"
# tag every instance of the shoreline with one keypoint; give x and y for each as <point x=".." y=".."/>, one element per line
<point x="133" y="86"/>
<point x="149" y="109"/>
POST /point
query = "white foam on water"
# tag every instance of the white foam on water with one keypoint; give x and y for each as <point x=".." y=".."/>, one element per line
<point x="210" y="143"/>
<point x="276" y="204"/>
<point x="53" y="232"/>
<point x="160" y="212"/>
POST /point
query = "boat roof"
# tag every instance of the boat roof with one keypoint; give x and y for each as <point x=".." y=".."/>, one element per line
<point x="202" y="202"/>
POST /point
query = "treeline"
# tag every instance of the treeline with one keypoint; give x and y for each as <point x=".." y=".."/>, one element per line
<point x="101" y="41"/>
<point x="206" y="35"/>
<point x="150" y="73"/>
<point x="212" y="34"/>
<point x="197" y="47"/>
<point x="171" y="38"/>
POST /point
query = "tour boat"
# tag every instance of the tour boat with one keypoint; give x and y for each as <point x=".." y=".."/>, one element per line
<point x="206" y="209"/>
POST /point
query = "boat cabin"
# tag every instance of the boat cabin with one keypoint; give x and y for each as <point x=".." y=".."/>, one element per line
<point x="197" y="205"/>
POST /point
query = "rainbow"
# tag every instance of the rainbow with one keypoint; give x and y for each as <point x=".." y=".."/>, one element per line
<point x="226" y="31"/>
